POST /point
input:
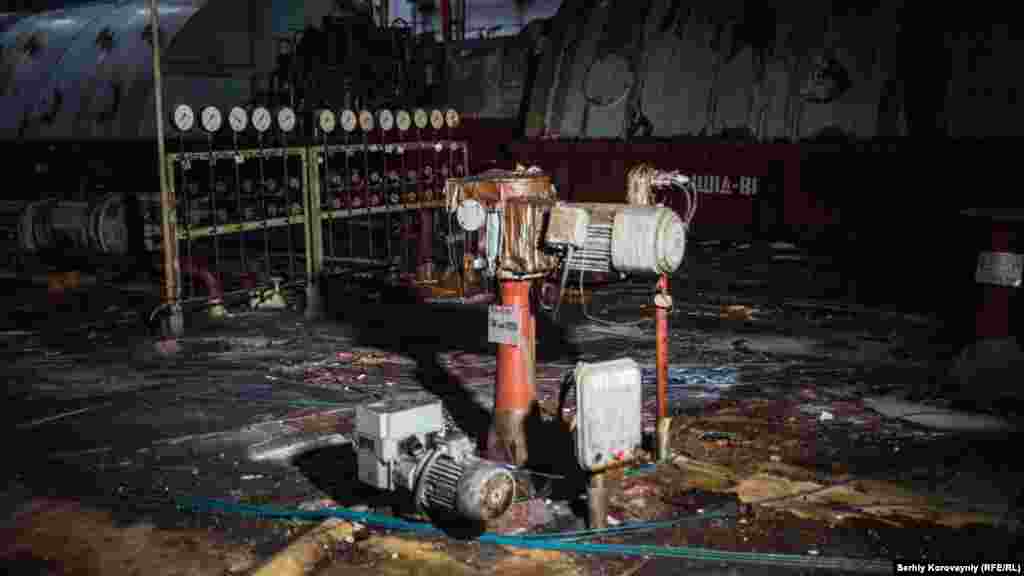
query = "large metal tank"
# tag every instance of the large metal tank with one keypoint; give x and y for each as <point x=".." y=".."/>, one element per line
<point x="84" y="72"/>
<point x="769" y="72"/>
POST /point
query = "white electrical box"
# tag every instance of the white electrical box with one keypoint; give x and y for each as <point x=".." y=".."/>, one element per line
<point x="567" y="226"/>
<point x="380" y="429"/>
<point x="609" y="406"/>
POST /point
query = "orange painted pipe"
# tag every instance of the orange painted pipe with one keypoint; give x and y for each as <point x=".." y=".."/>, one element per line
<point x="661" y="352"/>
<point x="515" y="388"/>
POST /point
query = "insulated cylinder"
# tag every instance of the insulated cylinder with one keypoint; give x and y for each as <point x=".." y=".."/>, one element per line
<point x="648" y="239"/>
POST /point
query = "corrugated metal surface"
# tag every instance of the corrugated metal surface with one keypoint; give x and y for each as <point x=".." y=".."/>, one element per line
<point x="102" y="93"/>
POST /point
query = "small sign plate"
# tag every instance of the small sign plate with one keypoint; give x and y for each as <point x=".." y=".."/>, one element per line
<point x="503" y="325"/>
<point x="1000" y="269"/>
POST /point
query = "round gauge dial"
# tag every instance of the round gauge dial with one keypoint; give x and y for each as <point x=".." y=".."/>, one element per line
<point x="366" y="120"/>
<point x="386" y="119"/>
<point x="421" y="118"/>
<point x="238" y="118"/>
<point x="437" y="119"/>
<point x="451" y="118"/>
<point x="184" y="117"/>
<point x="211" y="119"/>
<point x="327" y="121"/>
<point x="286" y="119"/>
<point x="261" y="119"/>
<point x="403" y="120"/>
<point x="348" y="121"/>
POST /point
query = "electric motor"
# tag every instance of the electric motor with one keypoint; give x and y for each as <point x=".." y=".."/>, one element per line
<point x="403" y="447"/>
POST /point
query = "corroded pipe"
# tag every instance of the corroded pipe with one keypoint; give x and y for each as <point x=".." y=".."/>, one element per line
<point x="516" y="390"/>
<point x="662" y="303"/>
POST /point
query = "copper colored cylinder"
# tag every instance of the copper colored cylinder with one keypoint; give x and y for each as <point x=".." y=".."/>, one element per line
<point x="515" y="389"/>
<point x="661" y="351"/>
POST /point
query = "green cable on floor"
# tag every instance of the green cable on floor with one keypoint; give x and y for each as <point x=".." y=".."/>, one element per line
<point x="556" y="542"/>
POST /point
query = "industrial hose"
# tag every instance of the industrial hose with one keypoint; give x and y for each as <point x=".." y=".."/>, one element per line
<point x="550" y="542"/>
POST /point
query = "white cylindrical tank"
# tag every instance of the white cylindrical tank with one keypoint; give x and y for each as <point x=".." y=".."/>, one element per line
<point x="648" y="239"/>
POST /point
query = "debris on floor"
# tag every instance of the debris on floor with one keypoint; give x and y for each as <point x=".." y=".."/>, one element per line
<point x="61" y="537"/>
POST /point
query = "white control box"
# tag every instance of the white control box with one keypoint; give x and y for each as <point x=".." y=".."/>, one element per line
<point x="609" y="406"/>
<point x="380" y="429"/>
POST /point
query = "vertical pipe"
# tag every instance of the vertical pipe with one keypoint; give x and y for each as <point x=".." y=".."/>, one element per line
<point x="426" y="244"/>
<point x="515" y="388"/>
<point x="266" y="209"/>
<point x="239" y="208"/>
<point x="446" y="21"/>
<point x="174" y="325"/>
<point x="661" y="322"/>
<point x="597" y="501"/>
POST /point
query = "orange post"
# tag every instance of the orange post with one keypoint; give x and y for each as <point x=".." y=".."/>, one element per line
<point x="515" y="389"/>
<point x="662" y="305"/>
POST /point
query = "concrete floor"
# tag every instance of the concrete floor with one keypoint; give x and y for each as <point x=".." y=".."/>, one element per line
<point x="256" y="407"/>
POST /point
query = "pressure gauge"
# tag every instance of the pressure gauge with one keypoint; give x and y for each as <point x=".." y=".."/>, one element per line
<point x="366" y="120"/>
<point x="184" y="118"/>
<point x="286" y="119"/>
<point x="261" y="119"/>
<point x="211" y="119"/>
<point x="437" y="119"/>
<point x="327" y="121"/>
<point x="403" y="120"/>
<point x="420" y="117"/>
<point x="451" y="118"/>
<point x="348" y="121"/>
<point x="238" y="118"/>
<point x="386" y="119"/>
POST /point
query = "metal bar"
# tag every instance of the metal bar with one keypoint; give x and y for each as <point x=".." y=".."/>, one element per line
<point x="347" y="189"/>
<point x="327" y="188"/>
<point x="188" y="214"/>
<point x="265" y="206"/>
<point x="238" y="200"/>
<point x="406" y="238"/>
<point x="386" y="194"/>
<point x="248" y="153"/>
<point x="314" y="234"/>
<point x="212" y="190"/>
<point x="366" y="190"/>
<point x="168" y="210"/>
<point x="288" y="209"/>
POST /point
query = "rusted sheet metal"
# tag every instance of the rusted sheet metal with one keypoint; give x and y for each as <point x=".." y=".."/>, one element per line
<point x="494" y="187"/>
<point x="523" y="238"/>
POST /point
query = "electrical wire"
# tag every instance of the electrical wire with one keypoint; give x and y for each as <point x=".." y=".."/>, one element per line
<point x="550" y="542"/>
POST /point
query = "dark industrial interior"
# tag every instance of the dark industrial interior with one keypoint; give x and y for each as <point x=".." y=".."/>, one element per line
<point x="528" y="286"/>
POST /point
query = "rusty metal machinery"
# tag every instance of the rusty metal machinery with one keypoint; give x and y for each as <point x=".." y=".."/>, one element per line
<point x="510" y="207"/>
<point x="403" y="446"/>
<point x="525" y="229"/>
<point x="99" y="226"/>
